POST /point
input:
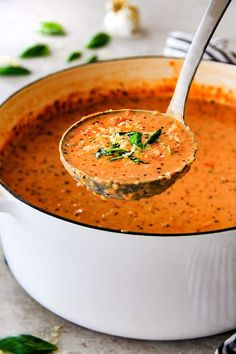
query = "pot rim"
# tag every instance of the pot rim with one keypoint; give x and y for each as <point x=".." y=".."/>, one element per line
<point x="125" y="233"/>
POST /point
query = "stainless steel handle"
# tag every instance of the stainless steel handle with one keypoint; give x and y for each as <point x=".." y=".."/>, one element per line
<point x="207" y="27"/>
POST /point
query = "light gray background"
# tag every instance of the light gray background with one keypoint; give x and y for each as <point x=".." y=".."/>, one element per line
<point x="81" y="18"/>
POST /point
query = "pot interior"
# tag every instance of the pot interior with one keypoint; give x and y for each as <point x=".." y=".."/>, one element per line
<point x="66" y="87"/>
<point x="64" y="91"/>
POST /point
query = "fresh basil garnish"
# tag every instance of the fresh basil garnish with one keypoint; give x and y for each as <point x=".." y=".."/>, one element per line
<point x="51" y="28"/>
<point x="102" y="152"/>
<point x="98" y="40"/>
<point x="120" y="133"/>
<point x="92" y="59"/>
<point x="116" y="158"/>
<point x="135" y="138"/>
<point x="117" y="154"/>
<point x="74" y="56"/>
<point x="113" y="150"/>
<point x="154" y="137"/>
<point x="13" y="70"/>
<point x="38" y="50"/>
<point x="118" y="150"/>
<point x="135" y="159"/>
<point x="26" y="344"/>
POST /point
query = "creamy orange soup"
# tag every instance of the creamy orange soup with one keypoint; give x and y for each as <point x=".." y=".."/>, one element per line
<point x="204" y="199"/>
<point x="127" y="149"/>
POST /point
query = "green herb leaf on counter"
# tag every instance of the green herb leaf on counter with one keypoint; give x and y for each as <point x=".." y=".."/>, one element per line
<point x="51" y="28"/>
<point x="13" y="70"/>
<point x="37" y="50"/>
<point x="92" y="59"/>
<point x="74" y="56"/>
<point x="25" y="344"/>
<point x="98" y="40"/>
<point x="154" y="137"/>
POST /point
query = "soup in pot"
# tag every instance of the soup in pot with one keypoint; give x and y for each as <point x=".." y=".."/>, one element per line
<point x="204" y="199"/>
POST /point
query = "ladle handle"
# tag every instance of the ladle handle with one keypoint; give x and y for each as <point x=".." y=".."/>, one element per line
<point x="207" y="27"/>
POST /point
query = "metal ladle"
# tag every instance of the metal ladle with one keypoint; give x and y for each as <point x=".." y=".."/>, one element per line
<point x="176" y="109"/>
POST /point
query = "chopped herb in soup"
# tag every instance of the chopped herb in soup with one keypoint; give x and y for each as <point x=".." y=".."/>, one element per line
<point x="137" y="143"/>
<point x="204" y="199"/>
<point x="100" y="141"/>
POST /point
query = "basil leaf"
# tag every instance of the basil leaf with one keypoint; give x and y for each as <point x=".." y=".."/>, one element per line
<point x="25" y="344"/>
<point x="131" y="157"/>
<point x="154" y="137"/>
<point x="102" y="152"/>
<point x="92" y="59"/>
<point x="115" y="145"/>
<point x="121" y="154"/>
<point x="116" y="158"/>
<point x="38" y="50"/>
<point x="13" y="70"/>
<point x="118" y="150"/>
<point x="135" y="159"/>
<point x="74" y="56"/>
<point x="120" y="133"/>
<point x="51" y="28"/>
<point x="135" y="138"/>
<point x="110" y="151"/>
<point x="130" y="133"/>
<point x="98" y="40"/>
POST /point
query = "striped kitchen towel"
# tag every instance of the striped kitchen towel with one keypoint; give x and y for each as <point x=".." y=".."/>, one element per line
<point x="178" y="43"/>
<point x="228" y="347"/>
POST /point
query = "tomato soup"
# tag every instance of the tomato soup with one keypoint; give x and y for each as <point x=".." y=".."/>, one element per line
<point x="128" y="154"/>
<point x="204" y="199"/>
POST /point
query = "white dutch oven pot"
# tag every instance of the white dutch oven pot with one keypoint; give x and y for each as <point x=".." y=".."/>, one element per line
<point x="131" y="285"/>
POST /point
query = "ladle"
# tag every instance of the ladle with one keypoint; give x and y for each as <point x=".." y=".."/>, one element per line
<point x="114" y="184"/>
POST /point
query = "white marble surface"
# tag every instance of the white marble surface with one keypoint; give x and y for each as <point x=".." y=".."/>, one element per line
<point x="81" y="18"/>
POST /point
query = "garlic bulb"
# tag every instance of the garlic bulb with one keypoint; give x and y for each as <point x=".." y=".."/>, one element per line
<point x="122" y="19"/>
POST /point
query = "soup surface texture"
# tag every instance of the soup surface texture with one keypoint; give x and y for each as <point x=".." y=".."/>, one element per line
<point x="128" y="154"/>
<point x="204" y="199"/>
